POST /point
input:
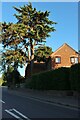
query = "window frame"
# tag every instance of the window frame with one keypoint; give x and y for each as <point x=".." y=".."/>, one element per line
<point x="77" y="60"/>
<point x="74" y="60"/>
<point x="59" y="62"/>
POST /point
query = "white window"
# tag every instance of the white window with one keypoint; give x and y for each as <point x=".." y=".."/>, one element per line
<point x="74" y="59"/>
<point x="58" y="60"/>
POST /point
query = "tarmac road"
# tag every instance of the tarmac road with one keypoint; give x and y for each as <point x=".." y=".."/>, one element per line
<point x="27" y="108"/>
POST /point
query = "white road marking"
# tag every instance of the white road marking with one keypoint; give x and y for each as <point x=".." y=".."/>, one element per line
<point x="2" y="101"/>
<point x="21" y="114"/>
<point x="10" y="111"/>
<point x="12" y="114"/>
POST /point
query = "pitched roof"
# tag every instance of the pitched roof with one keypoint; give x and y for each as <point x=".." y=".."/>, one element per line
<point x="65" y="44"/>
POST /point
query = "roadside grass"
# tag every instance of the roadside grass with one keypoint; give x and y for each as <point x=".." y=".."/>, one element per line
<point x="1" y="82"/>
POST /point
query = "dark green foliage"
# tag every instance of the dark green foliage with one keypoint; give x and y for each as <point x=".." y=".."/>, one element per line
<point x="22" y="79"/>
<point x="13" y="77"/>
<point x="4" y="76"/>
<point x="75" y="77"/>
<point x="4" y="83"/>
<point x="51" y="80"/>
<point x="42" y="52"/>
<point x="20" y="39"/>
<point x="59" y="79"/>
<point x="12" y="42"/>
<point x="16" y="76"/>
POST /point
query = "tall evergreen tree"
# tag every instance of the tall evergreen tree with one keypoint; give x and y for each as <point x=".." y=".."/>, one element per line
<point x="20" y="39"/>
<point x="38" y="26"/>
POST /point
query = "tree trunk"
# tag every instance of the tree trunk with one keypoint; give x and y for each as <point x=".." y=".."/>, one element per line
<point x="29" y="67"/>
<point x="32" y="56"/>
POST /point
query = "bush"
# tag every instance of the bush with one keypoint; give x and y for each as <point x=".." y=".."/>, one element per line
<point x="13" y="78"/>
<point x="75" y="76"/>
<point x="16" y="76"/>
<point x="4" y="83"/>
<point x="51" y="80"/>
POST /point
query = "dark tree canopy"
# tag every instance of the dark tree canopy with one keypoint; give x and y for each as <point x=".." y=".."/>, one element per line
<point x="42" y="53"/>
<point x="20" y="39"/>
<point x="38" y="25"/>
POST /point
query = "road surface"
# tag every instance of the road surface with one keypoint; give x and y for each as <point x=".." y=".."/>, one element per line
<point x="26" y="108"/>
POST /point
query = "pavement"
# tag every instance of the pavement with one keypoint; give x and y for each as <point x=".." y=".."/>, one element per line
<point x="50" y="96"/>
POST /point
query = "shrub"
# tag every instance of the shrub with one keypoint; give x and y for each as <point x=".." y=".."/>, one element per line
<point x="12" y="77"/>
<point x="75" y="76"/>
<point x="51" y="80"/>
<point x="4" y="83"/>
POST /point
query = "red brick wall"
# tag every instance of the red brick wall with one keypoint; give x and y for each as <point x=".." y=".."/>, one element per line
<point x="64" y="53"/>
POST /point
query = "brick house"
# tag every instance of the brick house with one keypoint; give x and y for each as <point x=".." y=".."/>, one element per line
<point x="64" y="56"/>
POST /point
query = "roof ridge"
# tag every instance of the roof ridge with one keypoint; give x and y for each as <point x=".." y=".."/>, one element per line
<point x="61" y="47"/>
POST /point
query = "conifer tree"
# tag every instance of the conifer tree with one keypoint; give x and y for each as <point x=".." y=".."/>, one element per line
<point x="20" y="39"/>
<point x="38" y="26"/>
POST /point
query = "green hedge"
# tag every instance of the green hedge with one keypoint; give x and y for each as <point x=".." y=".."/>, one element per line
<point x="59" y="79"/>
<point x="51" y="80"/>
<point x="75" y="77"/>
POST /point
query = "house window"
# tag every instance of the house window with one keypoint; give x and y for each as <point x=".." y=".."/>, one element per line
<point x="58" y="60"/>
<point x="74" y="59"/>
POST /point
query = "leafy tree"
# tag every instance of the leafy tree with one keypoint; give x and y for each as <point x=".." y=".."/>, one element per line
<point x="11" y="76"/>
<point x="6" y="73"/>
<point x="4" y="76"/>
<point x="0" y="61"/>
<point x="15" y="77"/>
<point x="20" y="39"/>
<point x="42" y="53"/>
<point x="38" y="26"/>
<point x="13" y="48"/>
<point x="1" y="81"/>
